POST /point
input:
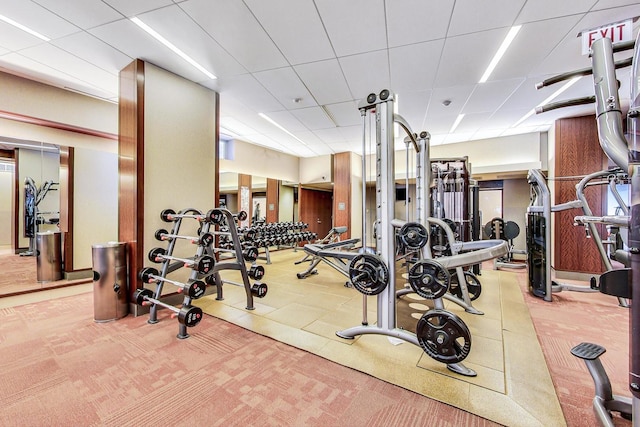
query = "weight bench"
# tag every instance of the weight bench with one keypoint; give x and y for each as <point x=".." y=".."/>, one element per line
<point x="337" y="255"/>
<point x="332" y="236"/>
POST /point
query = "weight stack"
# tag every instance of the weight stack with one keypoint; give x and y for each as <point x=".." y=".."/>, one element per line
<point x="110" y="286"/>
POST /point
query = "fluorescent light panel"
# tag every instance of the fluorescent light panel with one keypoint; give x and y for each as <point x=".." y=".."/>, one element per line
<point x="270" y="120"/>
<point x="23" y="28"/>
<point x="30" y="146"/>
<point x="171" y="46"/>
<point x="501" y="51"/>
<point x="456" y="123"/>
<point x="548" y="100"/>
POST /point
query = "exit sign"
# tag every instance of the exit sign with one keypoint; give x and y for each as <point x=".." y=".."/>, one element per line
<point x="618" y="32"/>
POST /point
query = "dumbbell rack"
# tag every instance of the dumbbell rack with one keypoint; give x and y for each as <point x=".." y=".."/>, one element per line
<point x="169" y="267"/>
<point x="229" y="264"/>
<point x="290" y="235"/>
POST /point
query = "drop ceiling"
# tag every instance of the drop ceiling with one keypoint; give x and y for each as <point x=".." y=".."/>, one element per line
<point x="307" y="63"/>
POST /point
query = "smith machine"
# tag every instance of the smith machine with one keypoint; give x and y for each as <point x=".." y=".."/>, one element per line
<point x="440" y="333"/>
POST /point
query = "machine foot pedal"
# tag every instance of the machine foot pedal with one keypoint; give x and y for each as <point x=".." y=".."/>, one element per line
<point x="588" y="351"/>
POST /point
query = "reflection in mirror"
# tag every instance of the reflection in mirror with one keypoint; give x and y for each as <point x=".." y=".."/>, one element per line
<point x="29" y="206"/>
<point x="228" y="190"/>
<point x="288" y="201"/>
<point x="259" y="199"/>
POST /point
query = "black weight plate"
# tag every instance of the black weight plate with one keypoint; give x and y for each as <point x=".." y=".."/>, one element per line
<point x="443" y="336"/>
<point x="369" y="274"/>
<point x="141" y="295"/>
<point x="203" y="264"/>
<point x="259" y="290"/>
<point x="256" y="272"/>
<point x="242" y="215"/>
<point x="414" y="235"/>
<point x="196" y="289"/>
<point x="250" y="254"/>
<point x="206" y="239"/>
<point x="511" y="230"/>
<point x="155" y="253"/>
<point x="429" y="279"/>
<point x="474" y="288"/>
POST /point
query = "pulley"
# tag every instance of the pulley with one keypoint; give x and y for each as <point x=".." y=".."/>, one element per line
<point x="369" y="274"/>
<point x="443" y="336"/>
<point x="429" y="279"/>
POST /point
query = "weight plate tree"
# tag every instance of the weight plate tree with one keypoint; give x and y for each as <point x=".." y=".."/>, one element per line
<point x="369" y="274"/>
<point x="429" y="279"/>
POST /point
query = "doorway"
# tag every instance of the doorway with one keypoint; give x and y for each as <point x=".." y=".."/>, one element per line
<point x="316" y="208"/>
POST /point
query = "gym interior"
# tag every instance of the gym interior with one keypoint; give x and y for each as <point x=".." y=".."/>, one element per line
<point x="334" y="229"/>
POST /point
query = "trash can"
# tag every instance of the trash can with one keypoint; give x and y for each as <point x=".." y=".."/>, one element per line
<point x="110" y="288"/>
<point x="48" y="256"/>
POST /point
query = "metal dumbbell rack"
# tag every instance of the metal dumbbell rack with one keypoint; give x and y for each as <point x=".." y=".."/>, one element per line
<point x="280" y="235"/>
<point x="232" y="263"/>
<point x="168" y="267"/>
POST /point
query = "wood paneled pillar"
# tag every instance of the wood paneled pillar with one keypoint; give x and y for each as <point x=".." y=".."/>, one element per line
<point x="273" y="195"/>
<point x="66" y="205"/>
<point x="577" y="153"/>
<point x="342" y="192"/>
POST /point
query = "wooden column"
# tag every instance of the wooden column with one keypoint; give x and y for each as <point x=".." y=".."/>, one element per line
<point x="273" y="195"/>
<point x="131" y="166"/>
<point x="577" y="153"/>
<point x="66" y="205"/>
<point x="342" y="191"/>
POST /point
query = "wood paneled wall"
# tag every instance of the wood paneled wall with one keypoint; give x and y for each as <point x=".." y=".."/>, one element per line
<point x="342" y="192"/>
<point x="273" y="195"/>
<point x="577" y="153"/>
<point x="315" y="207"/>
<point x="131" y="166"/>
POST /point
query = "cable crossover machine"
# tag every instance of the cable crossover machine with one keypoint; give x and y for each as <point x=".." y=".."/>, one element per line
<point x="441" y="334"/>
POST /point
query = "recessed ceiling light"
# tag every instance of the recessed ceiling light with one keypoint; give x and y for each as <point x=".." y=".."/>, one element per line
<point x="501" y="51"/>
<point x="24" y="28"/>
<point x="171" y="46"/>
<point x="273" y="122"/>
<point x="456" y="123"/>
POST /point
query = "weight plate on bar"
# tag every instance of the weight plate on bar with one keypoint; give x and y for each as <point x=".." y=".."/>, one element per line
<point x="443" y="336"/>
<point x="369" y="274"/>
<point x="429" y="279"/>
<point x="473" y="285"/>
<point x="511" y="230"/>
<point x="414" y="235"/>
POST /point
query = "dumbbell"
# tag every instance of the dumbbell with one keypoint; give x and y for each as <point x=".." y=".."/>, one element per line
<point x="202" y="240"/>
<point x="194" y="288"/>
<point x="201" y="264"/>
<point x="258" y="289"/>
<point x="256" y="272"/>
<point x="218" y="216"/>
<point x="188" y="316"/>
<point x="249" y="253"/>
<point x="169" y="215"/>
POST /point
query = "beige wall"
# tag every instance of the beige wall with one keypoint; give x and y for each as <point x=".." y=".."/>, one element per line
<point x="514" y="207"/>
<point x="254" y="160"/>
<point x="95" y="179"/>
<point x="179" y="152"/>
<point x="285" y="203"/>
<point x="315" y="170"/>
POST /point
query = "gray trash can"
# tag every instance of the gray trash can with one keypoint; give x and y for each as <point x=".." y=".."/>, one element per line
<point x="110" y="288"/>
<point x="49" y="256"/>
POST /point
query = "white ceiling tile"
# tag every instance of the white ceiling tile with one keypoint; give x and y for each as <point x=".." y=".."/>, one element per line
<point x="287" y="121"/>
<point x="21" y="65"/>
<point x="131" y="8"/>
<point x="313" y="118"/>
<point x="330" y="135"/>
<point x="86" y="46"/>
<point x="13" y="39"/>
<point x="233" y="26"/>
<point x="412" y="106"/>
<point x="125" y="36"/>
<point x="345" y="113"/>
<point x="471" y="122"/>
<point x="177" y="27"/>
<point x="366" y="73"/>
<point x="414" y="67"/>
<point x="494" y="13"/>
<point x="325" y="81"/>
<point x="37" y="18"/>
<point x="247" y="90"/>
<point x="490" y="95"/>
<point x="535" y="39"/>
<point x="465" y="58"/>
<point x="286" y="86"/>
<point x="458" y="95"/>
<point x="354" y="26"/>
<point x="83" y="13"/>
<point x="71" y="65"/>
<point x="299" y="33"/>
<point x="414" y="21"/>
<point x="3" y="51"/>
<point x="608" y="4"/>
<point x="539" y="10"/>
